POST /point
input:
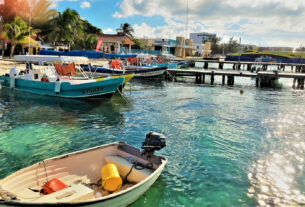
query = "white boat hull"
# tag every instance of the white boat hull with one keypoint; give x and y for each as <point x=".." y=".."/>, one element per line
<point x="84" y="166"/>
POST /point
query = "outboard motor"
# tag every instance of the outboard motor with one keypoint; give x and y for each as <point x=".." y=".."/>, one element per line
<point x="154" y="141"/>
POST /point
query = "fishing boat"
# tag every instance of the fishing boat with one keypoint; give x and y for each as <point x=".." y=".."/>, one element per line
<point x="115" y="174"/>
<point x="138" y="71"/>
<point x="61" y="79"/>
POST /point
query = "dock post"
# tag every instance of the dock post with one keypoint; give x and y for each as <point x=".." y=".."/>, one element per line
<point x="230" y="80"/>
<point x="196" y="78"/>
<point x="249" y="66"/>
<point x="212" y="78"/>
<point x="257" y="82"/>
<point x="238" y="66"/>
<point x="302" y="84"/>
<point x="234" y="66"/>
<point x="298" y="83"/>
<point x="206" y="65"/>
<point x="199" y="78"/>
<point x="223" y="79"/>
<point x="221" y="66"/>
<point x="203" y="78"/>
<point x="293" y="83"/>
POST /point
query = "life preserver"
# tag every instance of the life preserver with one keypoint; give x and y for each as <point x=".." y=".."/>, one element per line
<point x="115" y="64"/>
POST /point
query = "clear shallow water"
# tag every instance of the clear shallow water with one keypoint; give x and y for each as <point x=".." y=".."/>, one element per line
<point x="224" y="148"/>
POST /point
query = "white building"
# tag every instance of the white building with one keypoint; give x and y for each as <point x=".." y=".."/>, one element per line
<point x="199" y="39"/>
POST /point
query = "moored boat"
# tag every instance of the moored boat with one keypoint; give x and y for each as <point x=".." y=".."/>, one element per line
<point x="60" y="80"/>
<point x="139" y="71"/>
<point x="115" y="174"/>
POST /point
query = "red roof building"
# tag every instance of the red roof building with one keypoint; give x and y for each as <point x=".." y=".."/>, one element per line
<point x="113" y="43"/>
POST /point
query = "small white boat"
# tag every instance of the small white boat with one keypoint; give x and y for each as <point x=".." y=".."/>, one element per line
<point x="81" y="173"/>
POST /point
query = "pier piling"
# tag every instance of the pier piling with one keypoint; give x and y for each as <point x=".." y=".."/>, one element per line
<point x="206" y="65"/>
<point x="230" y="80"/>
<point x="212" y="78"/>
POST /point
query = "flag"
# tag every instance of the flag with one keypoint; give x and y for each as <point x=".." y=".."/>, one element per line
<point x="98" y="45"/>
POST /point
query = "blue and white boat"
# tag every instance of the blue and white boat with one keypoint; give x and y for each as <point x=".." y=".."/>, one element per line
<point x="139" y="71"/>
<point x="65" y="80"/>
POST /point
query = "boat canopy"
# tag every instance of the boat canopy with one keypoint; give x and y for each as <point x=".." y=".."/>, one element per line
<point x="88" y="54"/>
<point x="49" y="58"/>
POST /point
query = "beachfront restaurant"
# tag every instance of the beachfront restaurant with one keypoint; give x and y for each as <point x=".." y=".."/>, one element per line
<point x="115" y="44"/>
<point x="26" y="46"/>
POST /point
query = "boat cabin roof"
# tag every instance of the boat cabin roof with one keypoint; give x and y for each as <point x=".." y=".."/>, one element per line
<point x="49" y="59"/>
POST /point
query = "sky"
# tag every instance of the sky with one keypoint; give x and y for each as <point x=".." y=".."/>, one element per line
<point x="258" y="22"/>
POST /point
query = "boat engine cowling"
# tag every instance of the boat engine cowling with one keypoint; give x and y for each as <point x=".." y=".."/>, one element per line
<point x="154" y="141"/>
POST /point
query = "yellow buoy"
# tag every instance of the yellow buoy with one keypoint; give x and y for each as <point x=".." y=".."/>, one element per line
<point x="111" y="180"/>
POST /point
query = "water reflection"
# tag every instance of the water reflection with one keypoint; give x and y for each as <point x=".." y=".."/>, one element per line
<point x="18" y="109"/>
<point x="277" y="179"/>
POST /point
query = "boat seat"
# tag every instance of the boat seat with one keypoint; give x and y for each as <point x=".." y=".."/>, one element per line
<point x="74" y="193"/>
<point x="124" y="167"/>
<point x="75" y="179"/>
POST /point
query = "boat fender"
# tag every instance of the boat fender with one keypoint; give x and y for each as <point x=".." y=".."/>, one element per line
<point x="57" y="86"/>
<point x="12" y="82"/>
<point x="53" y="185"/>
<point x="111" y="180"/>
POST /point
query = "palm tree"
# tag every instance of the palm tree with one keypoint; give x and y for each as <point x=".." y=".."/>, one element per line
<point x="66" y="27"/>
<point x="125" y="29"/>
<point x="7" y="13"/>
<point x="86" y="42"/>
<point x="16" y="31"/>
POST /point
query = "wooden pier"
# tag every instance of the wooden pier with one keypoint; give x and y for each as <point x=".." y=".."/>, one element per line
<point x="263" y="78"/>
<point x="249" y="66"/>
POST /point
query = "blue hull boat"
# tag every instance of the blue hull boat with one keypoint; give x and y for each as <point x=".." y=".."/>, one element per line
<point x="67" y="89"/>
<point x="60" y="80"/>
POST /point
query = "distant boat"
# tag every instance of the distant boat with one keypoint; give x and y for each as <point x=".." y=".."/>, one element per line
<point x="110" y="175"/>
<point x="60" y="80"/>
<point x="143" y="66"/>
<point x="139" y="71"/>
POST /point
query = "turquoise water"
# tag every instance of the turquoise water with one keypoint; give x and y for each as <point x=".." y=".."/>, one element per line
<point x="224" y="148"/>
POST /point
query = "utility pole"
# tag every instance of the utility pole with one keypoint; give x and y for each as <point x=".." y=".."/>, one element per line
<point x="31" y="9"/>
<point x="187" y="18"/>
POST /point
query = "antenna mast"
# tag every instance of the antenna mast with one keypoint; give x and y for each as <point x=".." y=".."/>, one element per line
<point x="187" y="18"/>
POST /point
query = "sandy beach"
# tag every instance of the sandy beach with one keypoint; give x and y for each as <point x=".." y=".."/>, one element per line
<point x="6" y="65"/>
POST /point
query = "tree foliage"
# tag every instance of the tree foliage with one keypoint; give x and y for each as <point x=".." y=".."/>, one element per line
<point x="68" y="27"/>
<point x="230" y="47"/>
<point x="15" y="31"/>
<point x="51" y="25"/>
<point x="125" y="29"/>
<point x="300" y="49"/>
<point x="138" y="44"/>
<point x="215" y="47"/>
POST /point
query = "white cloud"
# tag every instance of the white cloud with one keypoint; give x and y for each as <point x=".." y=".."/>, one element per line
<point x="108" y="31"/>
<point x="85" y="5"/>
<point x="273" y="22"/>
<point x="54" y="3"/>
